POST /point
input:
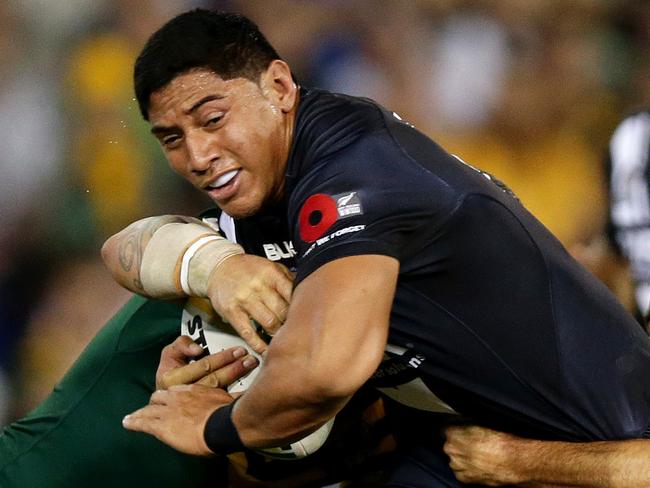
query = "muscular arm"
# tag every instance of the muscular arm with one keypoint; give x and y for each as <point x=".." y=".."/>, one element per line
<point x="480" y="455"/>
<point x="332" y="342"/>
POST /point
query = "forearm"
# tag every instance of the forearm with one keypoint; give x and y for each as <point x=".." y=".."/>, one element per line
<point x="122" y="253"/>
<point x="611" y="464"/>
<point x="290" y="398"/>
<point x="167" y="256"/>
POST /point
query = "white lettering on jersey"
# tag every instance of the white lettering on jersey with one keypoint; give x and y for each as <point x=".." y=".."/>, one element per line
<point x="333" y="235"/>
<point x="414" y="393"/>
<point x="275" y="252"/>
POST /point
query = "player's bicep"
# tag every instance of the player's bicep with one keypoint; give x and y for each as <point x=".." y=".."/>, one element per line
<point x="332" y="342"/>
<point x="341" y="314"/>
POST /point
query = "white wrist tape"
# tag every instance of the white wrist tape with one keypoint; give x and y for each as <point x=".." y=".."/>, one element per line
<point x="176" y="252"/>
<point x="204" y="260"/>
<point x="185" y="263"/>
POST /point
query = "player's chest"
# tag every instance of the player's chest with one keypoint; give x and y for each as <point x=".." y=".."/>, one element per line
<point x="267" y="237"/>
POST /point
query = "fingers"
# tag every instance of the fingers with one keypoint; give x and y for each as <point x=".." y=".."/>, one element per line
<point x="467" y="434"/>
<point x="457" y="436"/>
<point x="268" y="306"/>
<point x="246" y="287"/>
<point x="285" y="286"/>
<point x="218" y="370"/>
<point x="264" y="316"/>
<point x="267" y="299"/>
<point x="242" y="324"/>
<point x="224" y="377"/>
<point x="279" y="307"/>
<point x="159" y="397"/>
<point x="176" y="355"/>
<point x="180" y="350"/>
<point x="450" y="430"/>
<point x="177" y="416"/>
<point x="144" y="419"/>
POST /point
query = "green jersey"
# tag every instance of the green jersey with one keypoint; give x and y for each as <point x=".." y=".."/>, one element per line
<point x="75" y="437"/>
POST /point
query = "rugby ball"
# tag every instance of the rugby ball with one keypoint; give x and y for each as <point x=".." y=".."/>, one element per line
<point x="206" y="328"/>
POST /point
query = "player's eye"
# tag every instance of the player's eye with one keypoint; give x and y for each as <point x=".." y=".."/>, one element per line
<point x="212" y="121"/>
<point x="170" y="141"/>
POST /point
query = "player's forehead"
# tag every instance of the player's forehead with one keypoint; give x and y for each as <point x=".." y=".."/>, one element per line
<point x="190" y="89"/>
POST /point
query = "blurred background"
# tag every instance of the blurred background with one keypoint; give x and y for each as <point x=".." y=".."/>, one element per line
<point x="527" y="90"/>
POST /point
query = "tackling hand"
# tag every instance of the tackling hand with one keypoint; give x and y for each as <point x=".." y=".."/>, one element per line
<point x="177" y="411"/>
<point x="480" y="455"/>
<point x="177" y="416"/>
<point x="245" y="287"/>
<point x="216" y="370"/>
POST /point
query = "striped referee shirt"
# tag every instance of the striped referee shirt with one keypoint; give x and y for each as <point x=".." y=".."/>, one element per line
<point x="629" y="213"/>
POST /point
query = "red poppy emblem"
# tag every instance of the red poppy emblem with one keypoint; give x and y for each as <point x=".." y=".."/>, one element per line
<point x="317" y="214"/>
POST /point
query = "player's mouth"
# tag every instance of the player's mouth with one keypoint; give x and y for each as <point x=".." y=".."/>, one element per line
<point x="224" y="186"/>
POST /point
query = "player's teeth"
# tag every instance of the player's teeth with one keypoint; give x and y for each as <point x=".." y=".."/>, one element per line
<point x="224" y="179"/>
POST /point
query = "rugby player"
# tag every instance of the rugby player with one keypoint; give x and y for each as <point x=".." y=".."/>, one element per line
<point x="415" y="271"/>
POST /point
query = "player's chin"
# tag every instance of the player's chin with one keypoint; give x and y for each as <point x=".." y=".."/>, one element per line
<point x="240" y="207"/>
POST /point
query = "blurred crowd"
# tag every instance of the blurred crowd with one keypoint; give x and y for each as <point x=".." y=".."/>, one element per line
<point x="529" y="91"/>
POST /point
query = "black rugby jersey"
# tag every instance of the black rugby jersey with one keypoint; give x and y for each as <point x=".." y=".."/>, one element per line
<point x="492" y="318"/>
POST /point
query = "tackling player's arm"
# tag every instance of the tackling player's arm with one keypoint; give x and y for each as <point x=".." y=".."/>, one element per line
<point x="332" y="342"/>
<point x="173" y="256"/>
<point x="480" y="455"/>
<point x="122" y="253"/>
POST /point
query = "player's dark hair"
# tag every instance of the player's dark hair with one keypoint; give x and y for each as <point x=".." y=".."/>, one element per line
<point x="228" y="44"/>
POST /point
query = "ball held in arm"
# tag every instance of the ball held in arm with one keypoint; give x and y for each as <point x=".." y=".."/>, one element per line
<point x="207" y="329"/>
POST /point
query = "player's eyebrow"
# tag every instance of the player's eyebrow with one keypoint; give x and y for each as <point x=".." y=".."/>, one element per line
<point x="159" y="129"/>
<point x="205" y="99"/>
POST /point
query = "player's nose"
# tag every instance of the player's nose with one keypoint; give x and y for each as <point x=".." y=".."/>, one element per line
<point x="203" y="151"/>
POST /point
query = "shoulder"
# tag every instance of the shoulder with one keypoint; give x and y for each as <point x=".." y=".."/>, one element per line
<point x="324" y="110"/>
<point x="327" y="123"/>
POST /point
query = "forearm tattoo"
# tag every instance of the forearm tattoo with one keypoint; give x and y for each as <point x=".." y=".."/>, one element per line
<point x="132" y="245"/>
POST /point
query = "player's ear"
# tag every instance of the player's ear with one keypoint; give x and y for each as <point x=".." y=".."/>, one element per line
<point x="278" y="83"/>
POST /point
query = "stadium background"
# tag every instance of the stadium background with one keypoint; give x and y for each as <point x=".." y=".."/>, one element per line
<point x="528" y="90"/>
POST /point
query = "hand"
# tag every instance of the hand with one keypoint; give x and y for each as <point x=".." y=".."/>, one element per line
<point x="246" y="287"/>
<point x="218" y="370"/>
<point x="480" y="455"/>
<point x="177" y="416"/>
